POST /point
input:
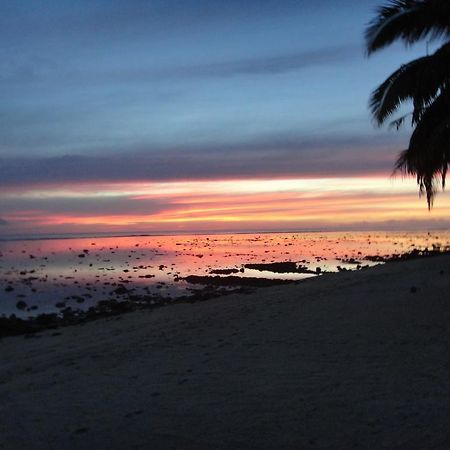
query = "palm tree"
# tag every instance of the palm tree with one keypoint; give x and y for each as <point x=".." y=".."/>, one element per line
<point x="425" y="82"/>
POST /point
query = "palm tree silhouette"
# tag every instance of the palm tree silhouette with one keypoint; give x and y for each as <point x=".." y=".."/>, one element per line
<point x="424" y="81"/>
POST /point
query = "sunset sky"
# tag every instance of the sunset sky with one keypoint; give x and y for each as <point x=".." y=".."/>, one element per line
<point x="197" y="115"/>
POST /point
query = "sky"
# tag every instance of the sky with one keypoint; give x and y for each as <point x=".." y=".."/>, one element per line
<point x="197" y="115"/>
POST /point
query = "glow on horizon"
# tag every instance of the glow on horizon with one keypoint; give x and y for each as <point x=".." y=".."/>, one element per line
<point x="237" y="205"/>
<point x="143" y="190"/>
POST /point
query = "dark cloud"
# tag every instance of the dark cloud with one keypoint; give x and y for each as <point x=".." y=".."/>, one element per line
<point x="3" y="222"/>
<point x="84" y="206"/>
<point x="105" y="19"/>
<point x="273" y="157"/>
<point x="18" y="72"/>
<point x="266" y="65"/>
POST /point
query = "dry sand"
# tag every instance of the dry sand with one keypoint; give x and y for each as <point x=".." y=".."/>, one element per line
<point x="351" y="360"/>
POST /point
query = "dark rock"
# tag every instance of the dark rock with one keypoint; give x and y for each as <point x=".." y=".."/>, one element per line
<point x="224" y="271"/>
<point x="279" y="267"/>
<point x="21" y="305"/>
<point x="121" y="290"/>
<point x="233" y="281"/>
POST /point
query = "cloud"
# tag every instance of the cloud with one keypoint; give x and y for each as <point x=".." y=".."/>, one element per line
<point x="106" y="18"/>
<point x="17" y="71"/>
<point x="276" y="156"/>
<point x="117" y="204"/>
<point x="264" y="65"/>
<point x="3" y="222"/>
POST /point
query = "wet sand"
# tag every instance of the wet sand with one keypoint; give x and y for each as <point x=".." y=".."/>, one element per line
<point x="348" y="360"/>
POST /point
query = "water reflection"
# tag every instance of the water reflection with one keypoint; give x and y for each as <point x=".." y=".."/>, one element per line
<point x="48" y="275"/>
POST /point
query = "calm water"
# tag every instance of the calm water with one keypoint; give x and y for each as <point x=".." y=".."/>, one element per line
<point x="43" y="276"/>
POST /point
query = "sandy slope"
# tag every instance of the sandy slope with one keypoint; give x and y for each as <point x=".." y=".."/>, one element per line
<point x="351" y="360"/>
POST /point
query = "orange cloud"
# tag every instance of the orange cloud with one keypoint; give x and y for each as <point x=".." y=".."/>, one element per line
<point x="223" y="204"/>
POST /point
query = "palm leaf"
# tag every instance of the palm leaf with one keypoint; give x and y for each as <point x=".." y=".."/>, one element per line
<point x="409" y="21"/>
<point x="398" y="123"/>
<point x="420" y="81"/>
<point x="428" y="154"/>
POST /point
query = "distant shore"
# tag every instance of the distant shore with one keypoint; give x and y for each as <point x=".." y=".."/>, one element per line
<point x="348" y="360"/>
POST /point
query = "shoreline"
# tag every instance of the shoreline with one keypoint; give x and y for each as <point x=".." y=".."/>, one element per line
<point x="215" y="285"/>
<point x="175" y="233"/>
<point x="46" y="237"/>
<point x="349" y="360"/>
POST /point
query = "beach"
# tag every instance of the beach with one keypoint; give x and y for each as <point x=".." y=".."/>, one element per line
<point x="342" y="361"/>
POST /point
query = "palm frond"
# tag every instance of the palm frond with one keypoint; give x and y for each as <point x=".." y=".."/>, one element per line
<point x="398" y="123"/>
<point x="409" y="21"/>
<point x="420" y="81"/>
<point x="428" y="154"/>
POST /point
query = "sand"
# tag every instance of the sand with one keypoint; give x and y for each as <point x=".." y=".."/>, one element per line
<point x="343" y="361"/>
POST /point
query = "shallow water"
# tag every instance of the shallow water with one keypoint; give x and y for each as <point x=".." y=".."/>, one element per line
<point x="45" y="276"/>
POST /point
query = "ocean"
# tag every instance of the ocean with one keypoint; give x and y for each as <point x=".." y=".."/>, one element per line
<point x="66" y="275"/>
